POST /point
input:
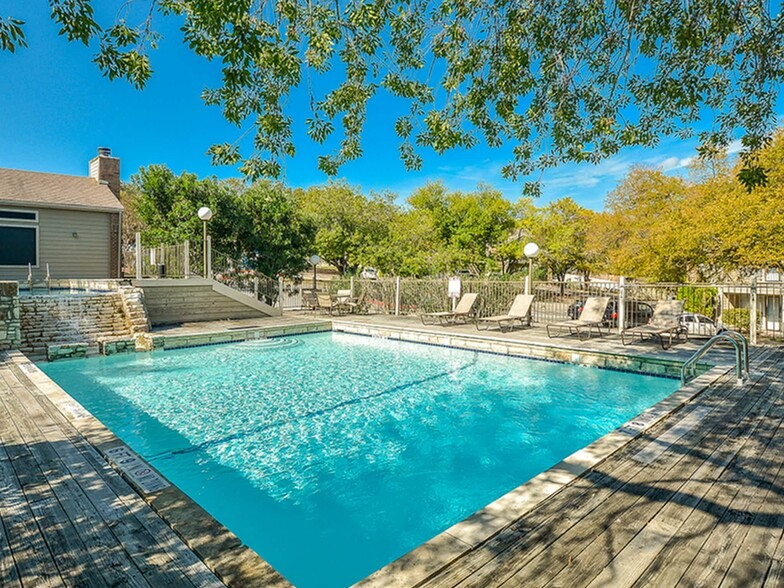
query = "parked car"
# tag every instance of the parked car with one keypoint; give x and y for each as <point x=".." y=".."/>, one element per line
<point x="637" y="313"/>
<point x="699" y="325"/>
<point x="369" y="273"/>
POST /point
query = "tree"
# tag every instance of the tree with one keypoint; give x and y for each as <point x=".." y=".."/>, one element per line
<point x="560" y="230"/>
<point x="411" y="246"/>
<point x="469" y="225"/>
<point x="349" y="226"/>
<point x="257" y="227"/>
<point x="644" y="229"/>
<point x="271" y="235"/>
<point x="131" y="223"/>
<point x="562" y="80"/>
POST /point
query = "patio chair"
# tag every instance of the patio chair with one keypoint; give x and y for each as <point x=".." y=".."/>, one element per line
<point x="358" y="305"/>
<point x="591" y="317"/>
<point x="327" y="304"/>
<point x="461" y="314"/>
<point x="342" y="300"/>
<point x="666" y="322"/>
<point x="310" y="301"/>
<point x="519" y="312"/>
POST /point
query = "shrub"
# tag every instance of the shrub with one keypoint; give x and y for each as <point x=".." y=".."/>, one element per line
<point x="698" y="299"/>
<point x="737" y="319"/>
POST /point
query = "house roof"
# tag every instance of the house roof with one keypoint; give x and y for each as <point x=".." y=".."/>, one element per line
<point x="18" y="187"/>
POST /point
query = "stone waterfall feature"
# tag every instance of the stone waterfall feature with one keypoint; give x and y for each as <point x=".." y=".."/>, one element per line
<point x="66" y="325"/>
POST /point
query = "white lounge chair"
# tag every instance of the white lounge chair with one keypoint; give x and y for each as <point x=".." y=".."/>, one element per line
<point x="461" y="314"/>
<point x="519" y="312"/>
<point x="591" y="317"/>
<point x="666" y="321"/>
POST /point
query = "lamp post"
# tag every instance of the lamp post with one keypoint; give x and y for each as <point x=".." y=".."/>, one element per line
<point x="205" y="214"/>
<point x="314" y="261"/>
<point x="531" y="250"/>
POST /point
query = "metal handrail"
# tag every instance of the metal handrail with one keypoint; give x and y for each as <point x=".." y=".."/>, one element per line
<point x="688" y="370"/>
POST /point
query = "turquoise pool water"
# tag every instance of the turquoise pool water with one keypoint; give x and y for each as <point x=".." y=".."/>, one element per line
<point x="333" y="454"/>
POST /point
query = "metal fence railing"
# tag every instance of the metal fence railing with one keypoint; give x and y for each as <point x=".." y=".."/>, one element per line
<point x="180" y="260"/>
<point x="756" y="310"/>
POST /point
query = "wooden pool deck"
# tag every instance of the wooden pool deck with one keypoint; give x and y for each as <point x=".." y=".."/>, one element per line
<point x="695" y="500"/>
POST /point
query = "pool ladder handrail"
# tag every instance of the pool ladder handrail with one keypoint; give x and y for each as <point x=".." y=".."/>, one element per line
<point x="688" y="370"/>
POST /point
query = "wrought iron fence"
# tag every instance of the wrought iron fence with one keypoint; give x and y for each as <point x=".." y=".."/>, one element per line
<point x="238" y="275"/>
<point x="757" y="310"/>
<point x="161" y="260"/>
<point x="559" y="301"/>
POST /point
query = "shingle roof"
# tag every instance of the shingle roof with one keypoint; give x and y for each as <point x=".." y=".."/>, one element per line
<point x="55" y="191"/>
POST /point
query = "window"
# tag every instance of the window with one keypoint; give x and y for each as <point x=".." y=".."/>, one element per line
<point x="18" y="238"/>
<point x="27" y="215"/>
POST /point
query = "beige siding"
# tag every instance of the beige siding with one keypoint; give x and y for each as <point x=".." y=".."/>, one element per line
<point x="85" y="256"/>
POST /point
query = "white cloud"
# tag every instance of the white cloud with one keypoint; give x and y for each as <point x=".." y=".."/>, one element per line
<point x="673" y="163"/>
<point x="735" y="147"/>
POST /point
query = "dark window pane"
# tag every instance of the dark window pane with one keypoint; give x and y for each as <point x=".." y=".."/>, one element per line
<point x="17" y="245"/>
<point x="17" y="215"/>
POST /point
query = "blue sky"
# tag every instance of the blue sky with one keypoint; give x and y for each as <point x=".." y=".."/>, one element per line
<point x="56" y="109"/>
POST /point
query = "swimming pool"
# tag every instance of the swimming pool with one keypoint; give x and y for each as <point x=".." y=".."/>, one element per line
<point x="332" y="454"/>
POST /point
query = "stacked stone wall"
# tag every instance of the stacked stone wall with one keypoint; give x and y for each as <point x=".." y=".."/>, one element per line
<point x="135" y="309"/>
<point x="10" y="336"/>
<point x="71" y="319"/>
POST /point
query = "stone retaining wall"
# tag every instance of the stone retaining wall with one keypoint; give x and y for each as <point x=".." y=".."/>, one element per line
<point x="10" y="336"/>
<point x="135" y="309"/>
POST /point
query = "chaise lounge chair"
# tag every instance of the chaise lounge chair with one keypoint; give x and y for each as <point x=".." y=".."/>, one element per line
<point x="461" y="313"/>
<point x="519" y="312"/>
<point x="665" y="322"/>
<point x="592" y="316"/>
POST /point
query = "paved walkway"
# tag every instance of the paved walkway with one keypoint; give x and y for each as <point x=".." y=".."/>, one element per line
<point x="698" y="500"/>
<point x="66" y="517"/>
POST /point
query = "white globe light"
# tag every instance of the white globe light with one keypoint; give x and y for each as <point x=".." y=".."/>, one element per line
<point x="531" y="250"/>
<point x="204" y="213"/>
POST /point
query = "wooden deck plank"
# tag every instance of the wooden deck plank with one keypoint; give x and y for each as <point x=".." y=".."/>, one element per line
<point x="9" y="576"/>
<point x="107" y="555"/>
<point x="755" y="558"/>
<point x="34" y="562"/>
<point x="152" y="555"/>
<point x="82" y="459"/>
<point x="737" y="494"/>
<point x="630" y="514"/>
<point x="707" y="491"/>
<point x="681" y="550"/>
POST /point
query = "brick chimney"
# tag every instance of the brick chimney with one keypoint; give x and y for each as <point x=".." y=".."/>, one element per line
<point x="106" y="168"/>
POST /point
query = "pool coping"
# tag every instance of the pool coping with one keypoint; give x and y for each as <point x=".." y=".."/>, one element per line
<point x="561" y="353"/>
<point x="161" y="340"/>
<point x="238" y="565"/>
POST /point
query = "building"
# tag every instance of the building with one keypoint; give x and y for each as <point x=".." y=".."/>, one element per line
<point x="760" y="306"/>
<point x="68" y="226"/>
